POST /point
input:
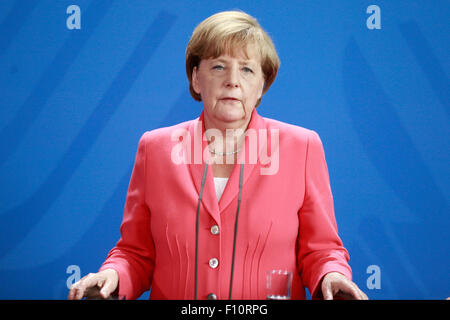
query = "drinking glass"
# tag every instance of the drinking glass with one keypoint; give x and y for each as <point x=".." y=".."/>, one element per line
<point x="279" y="284"/>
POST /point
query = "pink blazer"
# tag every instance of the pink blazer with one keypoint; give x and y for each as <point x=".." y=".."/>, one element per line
<point x="286" y="218"/>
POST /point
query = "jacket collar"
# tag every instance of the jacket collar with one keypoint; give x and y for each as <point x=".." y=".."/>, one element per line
<point x="198" y="158"/>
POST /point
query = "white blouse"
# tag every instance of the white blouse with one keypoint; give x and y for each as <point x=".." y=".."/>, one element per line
<point x="220" y="184"/>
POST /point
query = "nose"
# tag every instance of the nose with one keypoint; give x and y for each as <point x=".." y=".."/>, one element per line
<point x="232" y="78"/>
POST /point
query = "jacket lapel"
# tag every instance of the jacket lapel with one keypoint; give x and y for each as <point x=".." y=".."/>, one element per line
<point x="250" y="157"/>
<point x="197" y="167"/>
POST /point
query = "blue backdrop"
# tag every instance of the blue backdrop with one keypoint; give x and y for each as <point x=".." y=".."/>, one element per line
<point x="81" y="80"/>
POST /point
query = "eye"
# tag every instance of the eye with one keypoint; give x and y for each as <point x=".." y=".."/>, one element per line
<point x="218" y="67"/>
<point x="247" y="70"/>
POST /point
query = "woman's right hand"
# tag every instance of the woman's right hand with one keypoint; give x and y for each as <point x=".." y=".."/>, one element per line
<point x="98" y="285"/>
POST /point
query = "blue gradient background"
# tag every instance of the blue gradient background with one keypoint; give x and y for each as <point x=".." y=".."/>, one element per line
<point x="74" y="103"/>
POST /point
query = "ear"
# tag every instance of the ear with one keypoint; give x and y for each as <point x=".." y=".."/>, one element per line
<point x="195" y="84"/>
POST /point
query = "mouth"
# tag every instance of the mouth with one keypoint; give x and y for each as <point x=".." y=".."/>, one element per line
<point x="230" y="99"/>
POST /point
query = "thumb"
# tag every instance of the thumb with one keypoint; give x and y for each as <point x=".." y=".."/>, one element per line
<point x="107" y="288"/>
<point x="326" y="292"/>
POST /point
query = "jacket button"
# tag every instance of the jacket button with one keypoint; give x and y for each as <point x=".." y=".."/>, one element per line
<point x="215" y="229"/>
<point x="213" y="263"/>
<point x="212" y="296"/>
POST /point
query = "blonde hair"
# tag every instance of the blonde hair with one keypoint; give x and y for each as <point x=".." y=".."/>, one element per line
<point x="223" y="33"/>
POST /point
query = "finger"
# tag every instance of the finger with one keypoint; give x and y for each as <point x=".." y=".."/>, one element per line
<point x="79" y="294"/>
<point x="363" y="295"/>
<point x="354" y="291"/>
<point x="357" y="293"/>
<point x="360" y="295"/>
<point x="327" y="292"/>
<point x="92" y="280"/>
<point x="107" y="288"/>
<point x="72" y="292"/>
<point x="85" y="284"/>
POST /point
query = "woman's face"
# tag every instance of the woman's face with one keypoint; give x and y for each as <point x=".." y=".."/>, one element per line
<point x="230" y="87"/>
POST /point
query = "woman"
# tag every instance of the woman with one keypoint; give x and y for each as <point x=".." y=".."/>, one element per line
<point x="215" y="203"/>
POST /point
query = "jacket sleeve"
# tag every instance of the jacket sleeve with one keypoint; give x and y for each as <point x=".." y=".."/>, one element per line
<point x="134" y="254"/>
<point x="320" y="250"/>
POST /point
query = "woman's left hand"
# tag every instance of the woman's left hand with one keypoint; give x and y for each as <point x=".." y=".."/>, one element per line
<point x="335" y="285"/>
